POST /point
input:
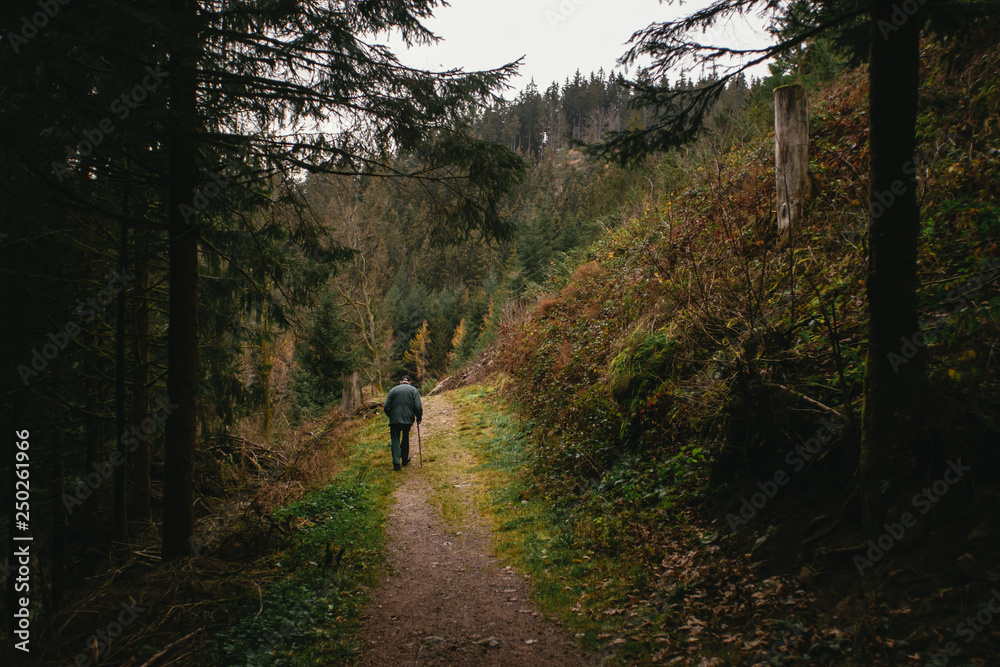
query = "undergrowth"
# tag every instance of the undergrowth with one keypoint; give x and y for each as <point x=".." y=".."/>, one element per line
<point x="617" y="598"/>
<point x="318" y="584"/>
<point x="692" y="349"/>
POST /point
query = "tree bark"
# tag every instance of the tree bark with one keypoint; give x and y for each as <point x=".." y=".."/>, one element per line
<point x="141" y="507"/>
<point x="791" y="153"/>
<point x="58" y="507"/>
<point x="352" y="399"/>
<point x="95" y="441"/>
<point x="267" y="366"/>
<point x="893" y="391"/>
<point x="121" y="419"/>
<point x="182" y="336"/>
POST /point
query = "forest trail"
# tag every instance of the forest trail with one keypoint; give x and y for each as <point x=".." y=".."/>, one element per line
<point x="446" y="600"/>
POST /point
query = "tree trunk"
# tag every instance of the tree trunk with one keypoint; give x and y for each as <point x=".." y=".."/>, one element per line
<point x="141" y="507"/>
<point x="267" y="366"/>
<point x="791" y="153"/>
<point x="58" y="507"/>
<point x="121" y="419"/>
<point x="58" y="561"/>
<point x="352" y="398"/>
<point x="893" y="391"/>
<point x="182" y="336"/>
<point x="95" y="440"/>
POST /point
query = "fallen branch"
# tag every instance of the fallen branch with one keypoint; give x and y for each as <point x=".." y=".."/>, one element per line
<point x="805" y="398"/>
<point x="166" y="648"/>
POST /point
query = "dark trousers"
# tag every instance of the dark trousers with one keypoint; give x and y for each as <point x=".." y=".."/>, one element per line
<point x="399" y="436"/>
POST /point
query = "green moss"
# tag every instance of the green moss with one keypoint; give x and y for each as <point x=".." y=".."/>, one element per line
<point x="638" y="378"/>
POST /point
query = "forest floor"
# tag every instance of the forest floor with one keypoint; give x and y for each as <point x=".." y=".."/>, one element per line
<point x="469" y="559"/>
<point x="446" y="599"/>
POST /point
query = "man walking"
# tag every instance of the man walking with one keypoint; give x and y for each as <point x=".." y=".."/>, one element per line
<point x="402" y="405"/>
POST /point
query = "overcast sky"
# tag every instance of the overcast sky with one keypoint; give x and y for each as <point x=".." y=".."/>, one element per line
<point x="556" y="37"/>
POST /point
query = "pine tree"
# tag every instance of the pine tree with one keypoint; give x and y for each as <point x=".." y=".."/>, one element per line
<point x="322" y="356"/>
<point x="381" y="107"/>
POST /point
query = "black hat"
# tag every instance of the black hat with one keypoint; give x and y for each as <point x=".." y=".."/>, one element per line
<point x="406" y="378"/>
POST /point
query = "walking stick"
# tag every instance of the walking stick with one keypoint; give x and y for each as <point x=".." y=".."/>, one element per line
<point x="420" y="451"/>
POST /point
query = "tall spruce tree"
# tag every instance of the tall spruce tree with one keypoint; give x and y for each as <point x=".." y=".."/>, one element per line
<point x="298" y="86"/>
<point x="181" y="130"/>
<point x="322" y="355"/>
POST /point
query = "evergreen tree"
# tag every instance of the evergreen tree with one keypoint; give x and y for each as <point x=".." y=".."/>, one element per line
<point x="322" y="356"/>
<point x="321" y="68"/>
<point x="529" y="116"/>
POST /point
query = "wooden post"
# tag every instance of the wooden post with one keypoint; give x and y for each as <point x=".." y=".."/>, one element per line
<point x="791" y="153"/>
<point x="352" y="392"/>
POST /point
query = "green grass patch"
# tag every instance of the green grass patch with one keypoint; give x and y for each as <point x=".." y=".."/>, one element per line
<point x="451" y="462"/>
<point x="601" y="595"/>
<point x="335" y="557"/>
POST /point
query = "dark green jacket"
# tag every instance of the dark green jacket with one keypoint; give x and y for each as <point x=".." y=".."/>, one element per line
<point x="403" y="404"/>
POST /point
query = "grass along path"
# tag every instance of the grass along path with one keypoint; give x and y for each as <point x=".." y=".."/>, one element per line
<point x="312" y="590"/>
<point x="446" y="599"/>
<point x="579" y="574"/>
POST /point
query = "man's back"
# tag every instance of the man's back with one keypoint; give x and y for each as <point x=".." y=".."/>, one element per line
<point x="403" y="404"/>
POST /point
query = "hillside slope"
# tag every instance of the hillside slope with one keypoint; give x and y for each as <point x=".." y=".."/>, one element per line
<point x="693" y="395"/>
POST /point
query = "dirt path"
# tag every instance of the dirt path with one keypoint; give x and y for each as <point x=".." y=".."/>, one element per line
<point x="446" y="601"/>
